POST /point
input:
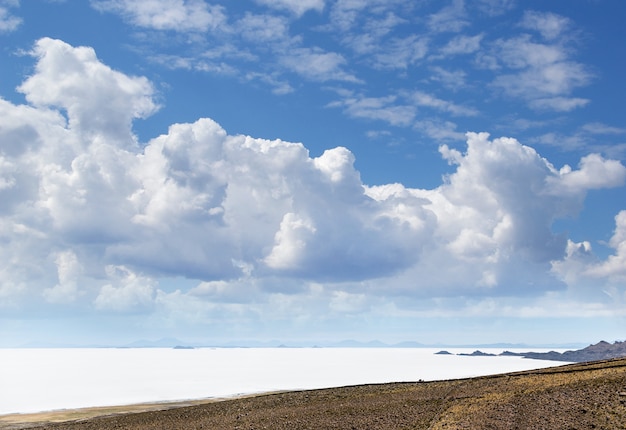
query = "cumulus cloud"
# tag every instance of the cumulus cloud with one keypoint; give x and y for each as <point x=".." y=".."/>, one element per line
<point x="614" y="268"/>
<point x="97" y="99"/>
<point x="68" y="269"/>
<point x="130" y="292"/>
<point x="596" y="281"/>
<point x="88" y="216"/>
<point x="290" y="242"/>
<point x="594" y="172"/>
<point x="503" y="238"/>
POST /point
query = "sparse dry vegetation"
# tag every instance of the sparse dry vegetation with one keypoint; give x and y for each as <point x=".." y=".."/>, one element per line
<point x="580" y="396"/>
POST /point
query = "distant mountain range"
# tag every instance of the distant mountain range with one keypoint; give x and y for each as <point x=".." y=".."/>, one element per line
<point x="349" y="343"/>
<point x="172" y="342"/>
<point x="600" y="351"/>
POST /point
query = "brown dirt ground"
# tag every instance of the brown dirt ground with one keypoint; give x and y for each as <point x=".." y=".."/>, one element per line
<point x="580" y="396"/>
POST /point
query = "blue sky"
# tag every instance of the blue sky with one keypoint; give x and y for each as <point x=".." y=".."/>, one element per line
<point x="215" y="171"/>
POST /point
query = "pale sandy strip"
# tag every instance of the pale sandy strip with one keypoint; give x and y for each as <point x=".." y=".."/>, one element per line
<point x="21" y="421"/>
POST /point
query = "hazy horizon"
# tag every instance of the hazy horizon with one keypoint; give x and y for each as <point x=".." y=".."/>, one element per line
<point x="277" y="343"/>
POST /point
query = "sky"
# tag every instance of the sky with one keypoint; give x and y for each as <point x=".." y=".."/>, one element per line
<point x="312" y="170"/>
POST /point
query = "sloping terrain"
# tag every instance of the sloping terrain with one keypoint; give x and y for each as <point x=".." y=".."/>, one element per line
<point x="578" y="396"/>
<point x="599" y="351"/>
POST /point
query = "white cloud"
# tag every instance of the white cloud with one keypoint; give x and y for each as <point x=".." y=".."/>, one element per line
<point x="521" y="53"/>
<point x="590" y="277"/>
<point x="87" y="217"/>
<point x="400" y="53"/>
<point x="241" y="291"/>
<point x="439" y="130"/>
<point x="278" y="85"/>
<point x="586" y="138"/>
<point x="381" y="21"/>
<point x="348" y="303"/>
<point x="452" y="18"/>
<point x="377" y="108"/>
<point x="261" y="41"/>
<point x="559" y="104"/>
<point x="297" y="7"/>
<point x="291" y="241"/>
<point x="343" y="14"/>
<point x="421" y="98"/>
<point x="462" y="45"/>
<point x="378" y="33"/>
<point x="97" y="99"/>
<point x="263" y="28"/>
<point x="177" y="15"/>
<point x="600" y="128"/>
<point x="453" y="80"/>
<point x="217" y="60"/>
<point x="69" y="269"/>
<point x="130" y="292"/>
<point x="494" y="7"/>
<point x="494" y="217"/>
<point x="8" y="22"/>
<point x="595" y="172"/>
<point x="317" y="65"/>
<point x="505" y="208"/>
<point x="577" y="257"/>
<point x="347" y="14"/>
<point x="550" y="25"/>
<point x="337" y="165"/>
<point x="573" y="142"/>
<point x="7" y="171"/>
<point x="542" y="74"/>
<point x="614" y="268"/>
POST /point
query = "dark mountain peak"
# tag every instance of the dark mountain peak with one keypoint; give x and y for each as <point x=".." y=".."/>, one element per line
<point x="600" y="351"/>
